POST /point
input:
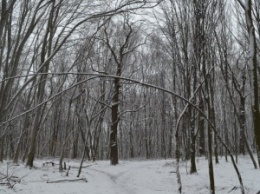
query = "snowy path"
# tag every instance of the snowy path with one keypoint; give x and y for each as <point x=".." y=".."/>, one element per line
<point x="130" y="177"/>
<point x="110" y="183"/>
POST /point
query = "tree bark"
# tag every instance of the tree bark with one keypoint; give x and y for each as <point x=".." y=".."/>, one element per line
<point x="254" y="64"/>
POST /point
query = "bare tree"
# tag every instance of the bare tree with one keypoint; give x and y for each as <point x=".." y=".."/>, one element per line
<point x="120" y="45"/>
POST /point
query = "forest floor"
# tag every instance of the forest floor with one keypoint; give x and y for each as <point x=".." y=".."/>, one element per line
<point x="129" y="177"/>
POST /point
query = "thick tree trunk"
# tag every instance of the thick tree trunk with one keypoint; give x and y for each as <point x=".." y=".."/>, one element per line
<point x="45" y="53"/>
<point x="114" y="125"/>
<point x="254" y="64"/>
<point x="74" y="153"/>
<point x="33" y="137"/>
<point x="193" y="168"/>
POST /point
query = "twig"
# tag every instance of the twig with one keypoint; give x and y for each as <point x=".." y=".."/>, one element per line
<point x="67" y="180"/>
<point x="234" y="188"/>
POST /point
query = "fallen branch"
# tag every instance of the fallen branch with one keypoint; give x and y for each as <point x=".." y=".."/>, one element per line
<point x="8" y="184"/>
<point x="234" y="188"/>
<point x="9" y="181"/>
<point x="46" y="163"/>
<point x="67" y="180"/>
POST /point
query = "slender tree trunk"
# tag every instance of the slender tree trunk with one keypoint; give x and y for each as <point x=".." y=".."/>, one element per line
<point x="177" y="155"/>
<point x="201" y="128"/>
<point x="1" y="150"/>
<point x="242" y="126"/>
<point x="210" y="155"/>
<point x="131" y="155"/>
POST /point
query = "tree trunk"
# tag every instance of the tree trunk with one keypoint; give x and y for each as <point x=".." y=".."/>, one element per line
<point x="201" y="128"/>
<point x="210" y="162"/>
<point x="254" y="64"/>
<point x="114" y="125"/>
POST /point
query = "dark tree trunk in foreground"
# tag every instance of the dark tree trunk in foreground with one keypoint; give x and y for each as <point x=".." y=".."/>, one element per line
<point x="254" y="64"/>
<point x="114" y="125"/>
<point x="124" y="44"/>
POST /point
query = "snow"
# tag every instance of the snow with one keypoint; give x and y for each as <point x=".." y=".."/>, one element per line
<point x="130" y="177"/>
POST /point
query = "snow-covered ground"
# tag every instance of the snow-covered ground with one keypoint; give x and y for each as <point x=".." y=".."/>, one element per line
<point x="129" y="177"/>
